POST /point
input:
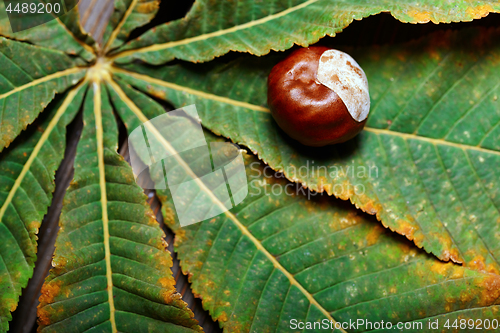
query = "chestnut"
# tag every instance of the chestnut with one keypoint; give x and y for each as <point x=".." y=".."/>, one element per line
<point x="319" y="96"/>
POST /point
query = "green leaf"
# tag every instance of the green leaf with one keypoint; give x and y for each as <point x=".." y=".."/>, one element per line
<point x="128" y="15"/>
<point x="60" y="34"/>
<point x="27" y="171"/>
<point x="31" y="76"/>
<point x="213" y="28"/>
<point x="426" y="162"/>
<point x="283" y="254"/>
<point x="111" y="269"/>
<point x="279" y="256"/>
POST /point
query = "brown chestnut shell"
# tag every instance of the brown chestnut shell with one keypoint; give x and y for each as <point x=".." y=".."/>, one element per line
<point x="305" y="109"/>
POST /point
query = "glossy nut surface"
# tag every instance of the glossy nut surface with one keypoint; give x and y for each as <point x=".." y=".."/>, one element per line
<point x="305" y="109"/>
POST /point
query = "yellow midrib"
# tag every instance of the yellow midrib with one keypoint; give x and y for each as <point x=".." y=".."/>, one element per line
<point x="191" y="91"/>
<point x="44" y="79"/>
<point x="115" y="32"/>
<point x="433" y="141"/>
<point x="38" y="147"/>
<point x="202" y="186"/>
<point x="158" y="47"/>
<point x="263" y="109"/>
<point x="104" y="200"/>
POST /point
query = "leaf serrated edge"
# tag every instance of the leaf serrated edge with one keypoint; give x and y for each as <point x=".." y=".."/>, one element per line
<point x="118" y="28"/>
<point x="38" y="147"/>
<point x="159" y="47"/>
<point x="419" y="17"/>
<point x="215" y="200"/>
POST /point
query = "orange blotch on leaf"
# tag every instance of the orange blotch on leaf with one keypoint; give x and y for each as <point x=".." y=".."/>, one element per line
<point x="374" y="235"/>
<point x="49" y="291"/>
<point x="479" y="11"/>
<point x="222" y="317"/>
<point x="420" y="17"/>
<point x="491" y="290"/>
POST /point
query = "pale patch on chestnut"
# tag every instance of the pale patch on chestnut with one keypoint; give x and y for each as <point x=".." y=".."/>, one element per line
<point x="341" y="73"/>
<point x="310" y="111"/>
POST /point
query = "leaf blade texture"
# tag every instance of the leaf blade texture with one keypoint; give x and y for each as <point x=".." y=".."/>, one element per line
<point x="352" y="266"/>
<point x="287" y="253"/>
<point x="31" y="76"/>
<point x="64" y="33"/>
<point x="112" y="270"/>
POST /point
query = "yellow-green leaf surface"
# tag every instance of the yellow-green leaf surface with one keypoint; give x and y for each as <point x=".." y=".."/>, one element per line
<point x="111" y="269"/>
<point x="27" y="171"/>
<point x="213" y="28"/>
<point x="30" y="78"/>
<point x="426" y="163"/>
<point x="283" y="255"/>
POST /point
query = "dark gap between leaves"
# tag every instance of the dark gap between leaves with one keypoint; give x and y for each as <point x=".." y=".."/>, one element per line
<point x="170" y="10"/>
<point x="384" y="29"/>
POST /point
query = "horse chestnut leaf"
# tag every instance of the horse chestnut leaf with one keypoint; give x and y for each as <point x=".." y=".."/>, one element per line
<point x="319" y="96"/>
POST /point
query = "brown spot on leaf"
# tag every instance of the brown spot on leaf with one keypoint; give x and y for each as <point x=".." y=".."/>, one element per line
<point x="146" y="7"/>
<point x="406" y="229"/>
<point x="59" y="262"/>
<point x="43" y="316"/>
<point x="420" y="17"/>
<point x="479" y="11"/>
<point x="167" y="282"/>
<point x="452" y="255"/>
<point x="172" y="297"/>
<point x="168" y="213"/>
<point x="491" y="290"/>
<point x="435" y="55"/>
<point x="222" y="317"/>
<point x="157" y="92"/>
<point x="163" y="260"/>
<point x="477" y="263"/>
<point x="374" y="234"/>
<point x="442" y="268"/>
<point x="49" y="291"/>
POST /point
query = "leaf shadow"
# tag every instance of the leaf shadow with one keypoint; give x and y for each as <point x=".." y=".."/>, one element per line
<point x="321" y="154"/>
